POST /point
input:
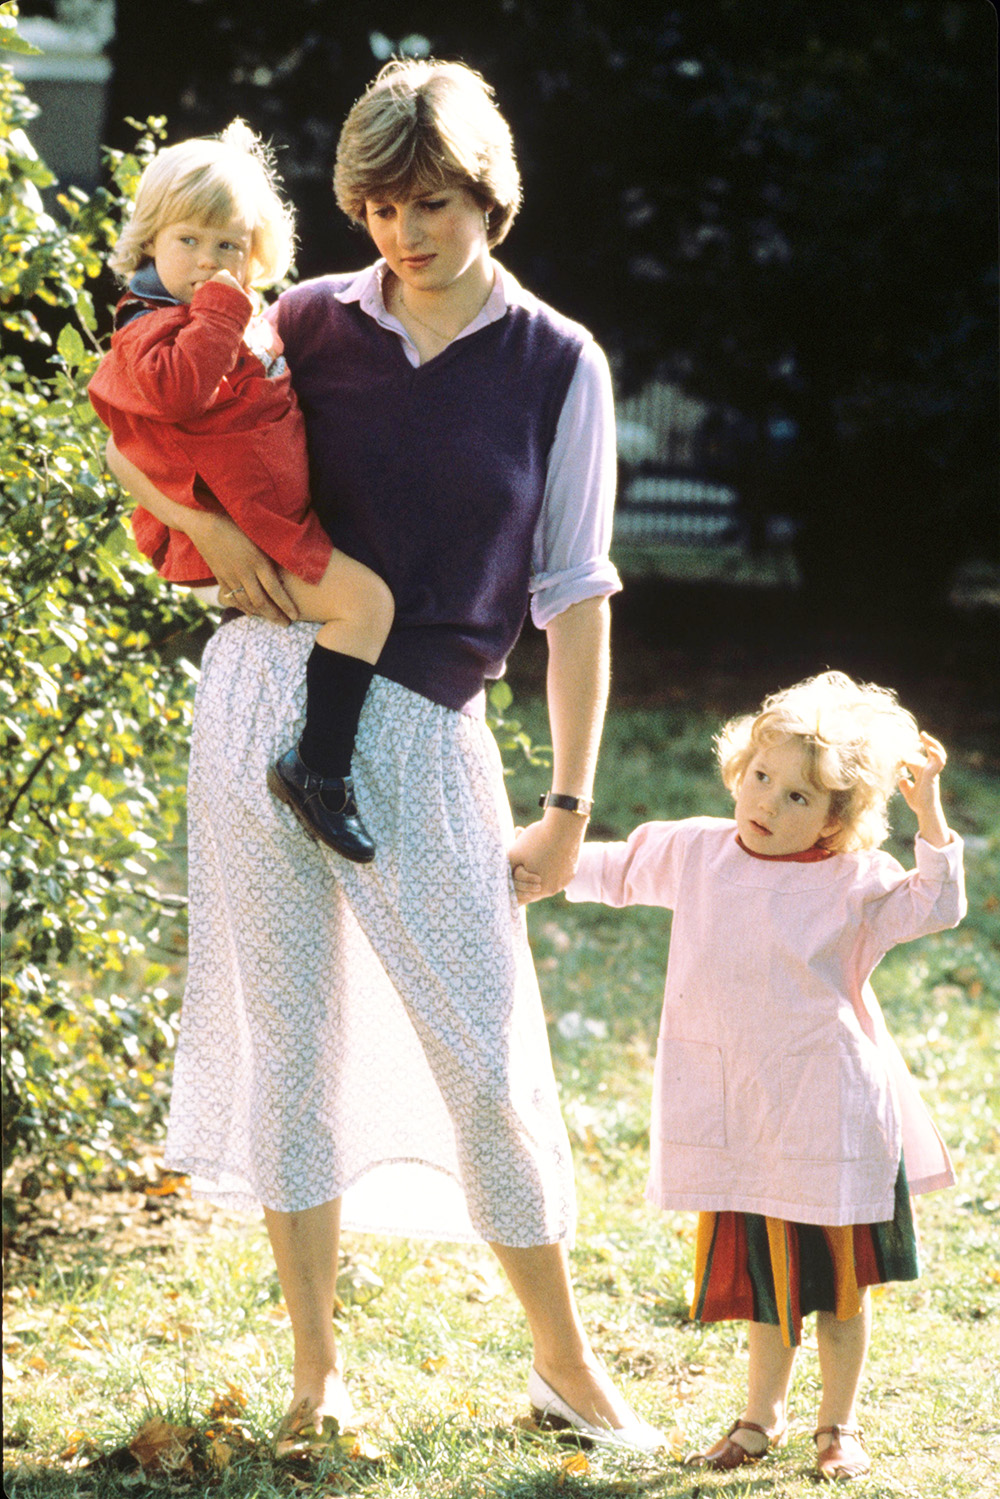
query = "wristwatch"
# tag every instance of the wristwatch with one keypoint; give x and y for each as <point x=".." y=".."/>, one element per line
<point x="581" y="805"/>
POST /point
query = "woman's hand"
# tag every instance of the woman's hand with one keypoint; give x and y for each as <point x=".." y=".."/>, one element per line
<point x="247" y="577"/>
<point x="920" y="787"/>
<point x="544" y="856"/>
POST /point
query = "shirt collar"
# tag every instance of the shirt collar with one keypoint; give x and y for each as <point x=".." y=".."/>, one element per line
<point x="814" y="855"/>
<point x="365" y="288"/>
<point x="146" y="283"/>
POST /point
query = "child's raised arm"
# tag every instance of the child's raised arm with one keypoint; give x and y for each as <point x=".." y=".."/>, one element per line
<point x="919" y="785"/>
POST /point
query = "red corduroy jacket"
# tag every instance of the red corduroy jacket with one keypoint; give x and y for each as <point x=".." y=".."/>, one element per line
<point x="192" y="406"/>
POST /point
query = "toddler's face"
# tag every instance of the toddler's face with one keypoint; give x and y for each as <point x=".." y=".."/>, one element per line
<point x="778" y="809"/>
<point x="188" y="254"/>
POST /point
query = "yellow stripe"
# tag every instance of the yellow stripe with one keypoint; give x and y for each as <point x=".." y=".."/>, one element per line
<point x="702" y="1250"/>
<point x="777" y="1239"/>
<point x="845" y="1277"/>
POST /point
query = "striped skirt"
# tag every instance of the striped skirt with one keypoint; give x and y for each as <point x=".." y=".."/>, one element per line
<point x="756" y="1269"/>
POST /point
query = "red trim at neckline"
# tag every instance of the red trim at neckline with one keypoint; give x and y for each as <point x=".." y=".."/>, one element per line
<point x="814" y="855"/>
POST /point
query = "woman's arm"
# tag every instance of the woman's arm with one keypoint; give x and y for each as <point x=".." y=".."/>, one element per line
<point x="240" y="567"/>
<point x="577" y="689"/>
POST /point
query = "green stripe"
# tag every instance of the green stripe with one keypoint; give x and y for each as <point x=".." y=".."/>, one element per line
<point x="706" y="1278"/>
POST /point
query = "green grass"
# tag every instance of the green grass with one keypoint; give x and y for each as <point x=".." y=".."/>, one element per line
<point x="124" y="1306"/>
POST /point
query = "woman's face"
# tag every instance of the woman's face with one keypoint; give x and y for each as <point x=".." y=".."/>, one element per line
<point x="431" y="241"/>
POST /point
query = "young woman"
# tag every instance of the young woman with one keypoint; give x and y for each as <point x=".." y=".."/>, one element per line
<point x="375" y="1033"/>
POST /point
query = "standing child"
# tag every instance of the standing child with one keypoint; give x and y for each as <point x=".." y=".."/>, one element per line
<point x="196" y="394"/>
<point x="782" y="1109"/>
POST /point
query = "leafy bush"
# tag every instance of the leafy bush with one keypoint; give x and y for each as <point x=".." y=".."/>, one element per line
<point x="95" y="704"/>
<point x="94" y="721"/>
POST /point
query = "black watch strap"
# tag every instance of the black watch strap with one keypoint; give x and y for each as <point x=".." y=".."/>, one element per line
<point x="581" y="805"/>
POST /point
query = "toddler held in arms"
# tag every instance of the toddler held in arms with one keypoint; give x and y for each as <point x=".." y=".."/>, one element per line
<point x="783" y="1112"/>
<point x="197" y="395"/>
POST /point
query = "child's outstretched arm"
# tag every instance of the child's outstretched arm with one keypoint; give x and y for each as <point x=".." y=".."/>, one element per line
<point x="919" y="785"/>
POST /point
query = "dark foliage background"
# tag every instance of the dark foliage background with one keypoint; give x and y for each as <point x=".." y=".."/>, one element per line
<point x="790" y="211"/>
<point x="791" y="208"/>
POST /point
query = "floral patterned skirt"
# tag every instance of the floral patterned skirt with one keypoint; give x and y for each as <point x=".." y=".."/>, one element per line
<point x="372" y="1032"/>
<point x="756" y="1269"/>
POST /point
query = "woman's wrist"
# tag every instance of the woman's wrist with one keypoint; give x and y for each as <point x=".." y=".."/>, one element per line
<point x="567" y="827"/>
<point x="579" y="806"/>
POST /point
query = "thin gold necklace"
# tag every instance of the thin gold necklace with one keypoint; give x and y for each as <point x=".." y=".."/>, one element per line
<point x="444" y="337"/>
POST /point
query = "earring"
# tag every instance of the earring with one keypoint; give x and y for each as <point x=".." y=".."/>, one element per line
<point x="486" y="220"/>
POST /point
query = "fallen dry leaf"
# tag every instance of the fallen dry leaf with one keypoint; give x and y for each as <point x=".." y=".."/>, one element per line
<point x="168" y="1186"/>
<point x="232" y="1404"/>
<point x="571" y="1467"/>
<point x="161" y="1447"/>
<point x="218" y="1453"/>
<point x="77" y="1444"/>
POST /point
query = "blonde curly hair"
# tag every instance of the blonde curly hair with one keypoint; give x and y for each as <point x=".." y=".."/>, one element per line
<point x="422" y="125"/>
<point x="211" y="181"/>
<point x="856" y="738"/>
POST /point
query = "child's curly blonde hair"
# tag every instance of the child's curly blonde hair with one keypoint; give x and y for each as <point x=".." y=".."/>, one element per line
<point x="856" y="738"/>
<point x="212" y="181"/>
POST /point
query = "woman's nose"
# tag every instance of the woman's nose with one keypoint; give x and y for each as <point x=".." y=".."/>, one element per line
<point x="409" y="229"/>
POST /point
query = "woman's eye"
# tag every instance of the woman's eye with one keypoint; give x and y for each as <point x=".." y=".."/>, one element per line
<point x="434" y="204"/>
<point x="796" y="796"/>
<point x="382" y="213"/>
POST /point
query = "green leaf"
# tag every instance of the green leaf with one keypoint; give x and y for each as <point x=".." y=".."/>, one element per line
<point x="70" y="346"/>
<point x="10" y="38"/>
<point x="500" y="696"/>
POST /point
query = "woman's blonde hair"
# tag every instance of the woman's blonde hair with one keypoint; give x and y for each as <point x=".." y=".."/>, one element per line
<point x="423" y="125"/>
<point x="856" y="739"/>
<point x="212" y="181"/>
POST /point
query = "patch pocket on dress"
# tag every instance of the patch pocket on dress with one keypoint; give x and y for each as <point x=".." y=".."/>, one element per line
<point x="823" y="1107"/>
<point x="692" y="1094"/>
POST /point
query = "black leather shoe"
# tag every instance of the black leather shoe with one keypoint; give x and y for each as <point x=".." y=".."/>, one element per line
<point x="324" y="805"/>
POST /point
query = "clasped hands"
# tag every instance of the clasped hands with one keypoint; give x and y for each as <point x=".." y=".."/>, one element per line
<point x="543" y="857"/>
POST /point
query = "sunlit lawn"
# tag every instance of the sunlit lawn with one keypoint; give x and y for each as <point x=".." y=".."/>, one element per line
<point x="135" y="1308"/>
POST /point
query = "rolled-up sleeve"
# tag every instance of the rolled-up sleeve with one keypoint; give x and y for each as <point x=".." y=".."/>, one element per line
<point x="570" y="559"/>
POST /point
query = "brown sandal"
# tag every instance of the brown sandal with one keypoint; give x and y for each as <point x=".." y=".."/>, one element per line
<point x="831" y="1463"/>
<point x="728" y="1454"/>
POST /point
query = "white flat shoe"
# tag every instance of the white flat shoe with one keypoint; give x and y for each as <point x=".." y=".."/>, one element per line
<point x="550" y="1408"/>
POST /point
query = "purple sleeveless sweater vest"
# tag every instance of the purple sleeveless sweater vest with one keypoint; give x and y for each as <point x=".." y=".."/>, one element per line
<point x="433" y="477"/>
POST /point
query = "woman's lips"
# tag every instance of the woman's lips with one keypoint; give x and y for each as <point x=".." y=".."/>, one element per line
<point x="415" y="262"/>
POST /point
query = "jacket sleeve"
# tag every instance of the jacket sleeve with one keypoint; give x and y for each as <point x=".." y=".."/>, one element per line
<point x="173" y="373"/>
<point x="900" y="904"/>
<point x="644" y="871"/>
